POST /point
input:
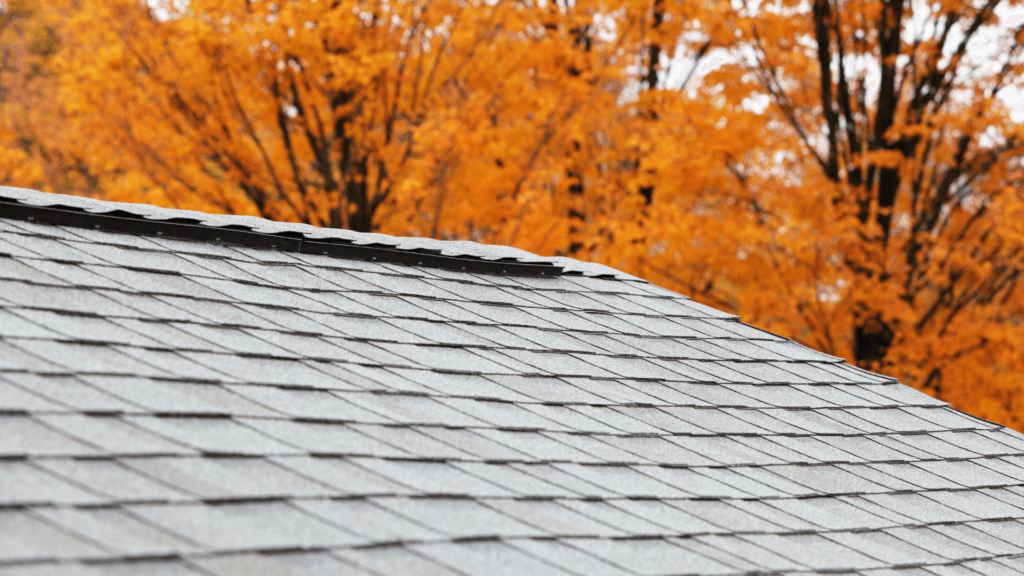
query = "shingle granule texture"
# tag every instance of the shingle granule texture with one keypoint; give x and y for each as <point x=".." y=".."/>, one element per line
<point x="175" y="407"/>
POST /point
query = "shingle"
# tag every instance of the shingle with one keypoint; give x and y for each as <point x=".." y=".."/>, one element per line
<point x="457" y="517"/>
<point x="473" y="385"/>
<point x="982" y="540"/>
<point x="228" y="477"/>
<point x="174" y="365"/>
<point x="395" y="560"/>
<point x="557" y="364"/>
<point x="744" y="551"/>
<point x="411" y="441"/>
<point x="24" y="436"/>
<point x="213" y="312"/>
<point x="817" y="450"/>
<point x="650" y="556"/>
<point x="257" y="370"/>
<point x="965" y="473"/>
<point x="779" y="396"/>
<point x="22" y="483"/>
<point x="377" y="304"/>
<point x="554" y="476"/>
<point x="49" y="249"/>
<point x="884" y="547"/>
<point x="619" y="323"/>
<point x="918" y="507"/>
<point x="113" y="434"/>
<point x="439" y="332"/>
<point x="603" y="451"/>
<point x="23" y="271"/>
<point x="827" y="479"/>
<point x="473" y="443"/>
<point x="268" y="296"/>
<point x="491" y="557"/>
<point x="694" y="482"/>
<point x="89" y="357"/>
<point x="829" y="513"/>
<point x="617" y="420"/>
<point x="773" y="516"/>
<point x="551" y="339"/>
<point x="499" y="336"/>
<point x="730" y="450"/>
<point x="117" y="531"/>
<point x="181" y="397"/>
<point x="659" y="450"/>
<point x="915" y="476"/>
<point x="113" y="479"/>
<point x="716" y="421"/>
<point x="812" y="421"/>
<point x="215" y="435"/>
<point x="570" y="418"/>
<point x="144" y="306"/>
<point x="617" y="391"/>
<point x="62" y="299"/>
<point x="27" y="538"/>
<point x="70" y="391"/>
<point x="17" y="398"/>
<point x="156" y="283"/>
<point x="363" y="328"/>
<point x="936" y="542"/>
<point x="663" y="513"/>
<point x="412" y="409"/>
<point x="324" y="438"/>
<point x="431" y="477"/>
<point x="447" y="358"/>
<point x="245" y="525"/>
<point x="278" y="564"/>
<point x="976" y="504"/>
<point x="369" y="378"/>
<point x="571" y="559"/>
<point x="368" y="520"/>
<point x="86" y="328"/>
<point x="977" y="442"/>
<point x="342" y="475"/>
<point x="607" y="513"/>
<point x="500" y="414"/>
<point x="512" y="480"/>
<point x="814" y="551"/>
<point x="166" y="335"/>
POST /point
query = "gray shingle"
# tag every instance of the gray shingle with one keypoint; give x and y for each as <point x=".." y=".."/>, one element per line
<point x="650" y="556"/>
<point x="215" y="478"/>
<point x="490" y="557"/>
<point x="112" y="478"/>
<point x="278" y="564"/>
<point x="395" y="560"/>
<point x="245" y="526"/>
<point x="28" y="538"/>
<point x="117" y="531"/>
<point x="173" y="407"/>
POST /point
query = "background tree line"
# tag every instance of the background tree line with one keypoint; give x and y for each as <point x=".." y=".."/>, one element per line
<point x="843" y="172"/>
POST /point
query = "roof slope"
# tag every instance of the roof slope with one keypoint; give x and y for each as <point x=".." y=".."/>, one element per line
<point x="185" y="407"/>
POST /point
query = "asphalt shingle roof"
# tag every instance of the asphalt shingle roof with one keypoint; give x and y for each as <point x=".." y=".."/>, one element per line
<point x="186" y="407"/>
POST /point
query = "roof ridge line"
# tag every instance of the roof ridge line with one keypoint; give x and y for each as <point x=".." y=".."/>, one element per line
<point x="120" y="221"/>
<point x="151" y="220"/>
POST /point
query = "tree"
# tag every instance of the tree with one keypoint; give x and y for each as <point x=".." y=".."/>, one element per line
<point x="881" y="194"/>
<point x="330" y="113"/>
<point x="844" y="172"/>
<point x="32" y="151"/>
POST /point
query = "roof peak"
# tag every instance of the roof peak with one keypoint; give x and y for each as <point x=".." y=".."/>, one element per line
<point x="151" y="220"/>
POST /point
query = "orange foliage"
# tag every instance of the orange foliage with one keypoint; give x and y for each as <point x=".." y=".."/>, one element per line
<point x="846" y="174"/>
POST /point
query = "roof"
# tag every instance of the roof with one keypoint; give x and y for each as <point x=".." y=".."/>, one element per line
<point x="294" y="400"/>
